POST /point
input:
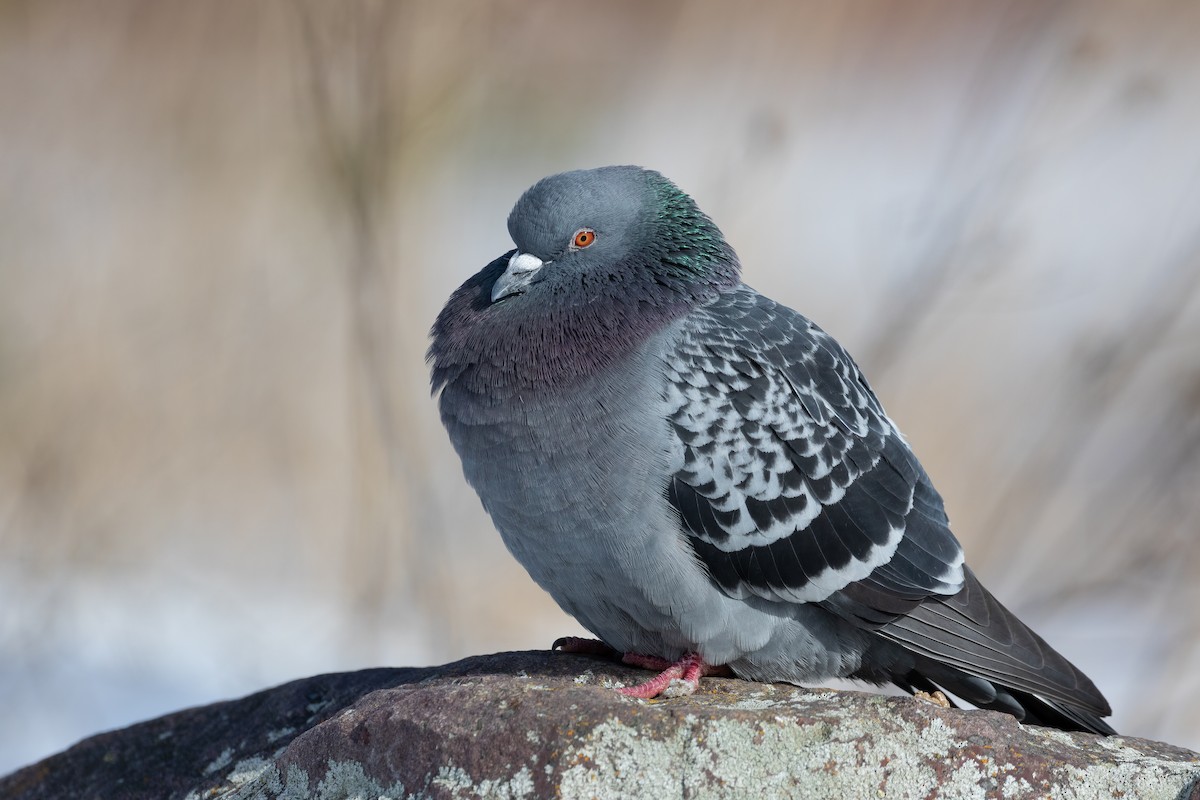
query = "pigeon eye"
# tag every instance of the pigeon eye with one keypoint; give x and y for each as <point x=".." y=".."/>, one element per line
<point x="584" y="237"/>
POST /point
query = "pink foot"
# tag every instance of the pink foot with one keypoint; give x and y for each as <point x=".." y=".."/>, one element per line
<point x="676" y="679"/>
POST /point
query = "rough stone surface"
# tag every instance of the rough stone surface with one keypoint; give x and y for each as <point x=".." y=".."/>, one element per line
<point x="534" y="725"/>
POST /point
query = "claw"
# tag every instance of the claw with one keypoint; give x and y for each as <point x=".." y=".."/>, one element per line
<point x="580" y="645"/>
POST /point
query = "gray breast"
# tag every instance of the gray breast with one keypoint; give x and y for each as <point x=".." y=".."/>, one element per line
<point x="575" y="482"/>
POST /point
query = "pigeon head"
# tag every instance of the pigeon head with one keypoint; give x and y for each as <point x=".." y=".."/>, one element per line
<point x="604" y="231"/>
<point x="604" y="258"/>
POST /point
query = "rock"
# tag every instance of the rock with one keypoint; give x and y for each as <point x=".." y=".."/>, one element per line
<point x="539" y="724"/>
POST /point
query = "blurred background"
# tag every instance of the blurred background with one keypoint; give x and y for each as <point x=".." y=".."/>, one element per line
<point x="225" y="229"/>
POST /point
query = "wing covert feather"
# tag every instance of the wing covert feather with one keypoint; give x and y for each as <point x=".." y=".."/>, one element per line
<point x="792" y="483"/>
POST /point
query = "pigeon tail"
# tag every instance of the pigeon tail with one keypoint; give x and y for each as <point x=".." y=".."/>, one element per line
<point x="973" y="647"/>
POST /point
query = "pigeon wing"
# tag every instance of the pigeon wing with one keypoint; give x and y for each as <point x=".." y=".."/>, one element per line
<point x="793" y="485"/>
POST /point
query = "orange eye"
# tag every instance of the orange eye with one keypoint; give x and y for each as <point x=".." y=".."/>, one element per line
<point x="584" y="237"/>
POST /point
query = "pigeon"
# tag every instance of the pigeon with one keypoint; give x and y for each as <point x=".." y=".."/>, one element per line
<point x="704" y="478"/>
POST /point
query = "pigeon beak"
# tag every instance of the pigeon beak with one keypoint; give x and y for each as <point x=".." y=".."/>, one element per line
<point x="521" y="269"/>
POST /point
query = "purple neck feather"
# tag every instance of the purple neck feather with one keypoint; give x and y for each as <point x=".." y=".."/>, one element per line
<point x="499" y="350"/>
